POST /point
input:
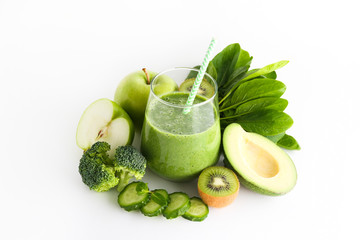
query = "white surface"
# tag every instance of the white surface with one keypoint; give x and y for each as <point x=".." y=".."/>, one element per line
<point x="56" y="57"/>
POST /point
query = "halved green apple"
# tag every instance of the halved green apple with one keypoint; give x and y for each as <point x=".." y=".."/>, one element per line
<point x="262" y="166"/>
<point x="104" y="120"/>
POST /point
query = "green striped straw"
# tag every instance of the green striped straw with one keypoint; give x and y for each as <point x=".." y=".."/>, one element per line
<point x="199" y="78"/>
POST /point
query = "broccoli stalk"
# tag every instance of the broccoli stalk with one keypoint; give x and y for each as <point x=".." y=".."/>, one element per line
<point x="128" y="163"/>
<point x="124" y="178"/>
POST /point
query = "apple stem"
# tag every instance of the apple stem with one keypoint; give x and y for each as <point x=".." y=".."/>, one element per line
<point x="147" y="76"/>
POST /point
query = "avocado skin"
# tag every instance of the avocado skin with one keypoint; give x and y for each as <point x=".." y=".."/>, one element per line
<point x="249" y="185"/>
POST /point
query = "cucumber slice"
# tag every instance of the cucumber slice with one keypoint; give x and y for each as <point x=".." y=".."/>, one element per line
<point x="130" y="199"/>
<point x="179" y="204"/>
<point x="155" y="206"/>
<point x="198" y="210"/>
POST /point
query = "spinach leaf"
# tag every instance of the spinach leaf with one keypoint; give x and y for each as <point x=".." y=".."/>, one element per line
<point x="256" y="88"/>
<point x="275" y="138"/>
<point x="288" y="142"/>
<point x="271" y="75"/>
<point x="255" y="105"/>
<point x="237" y="74"/>
<point x="234" y="73"/>
<point x="234" y="78"/>
<point x="280" y="104"/>
<point x="266" y="122"/>
<point x="244" y="59"/>
<point x="254" y="74"/>
<point x="210" y="70"/>
<point x="266" y="70"/>
<point x="225" y="63"/>
<point x="228" y="114"/>
<point x="249" y="106"/>
<point x="193" y="74"/>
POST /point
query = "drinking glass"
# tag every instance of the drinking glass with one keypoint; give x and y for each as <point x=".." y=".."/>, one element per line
<point x="179" y="146"/>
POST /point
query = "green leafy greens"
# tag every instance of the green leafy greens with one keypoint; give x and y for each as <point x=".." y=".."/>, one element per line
<point x="251" y="98"/>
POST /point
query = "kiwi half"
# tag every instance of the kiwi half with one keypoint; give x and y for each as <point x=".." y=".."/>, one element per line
<point x="218" y="186"/>
<point x="205" y="89"/>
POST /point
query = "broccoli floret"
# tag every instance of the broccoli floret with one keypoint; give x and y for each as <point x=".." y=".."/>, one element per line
<point x="128" y="163"/>
<point x="100" y="173"/>
<point x="93" y="169"/>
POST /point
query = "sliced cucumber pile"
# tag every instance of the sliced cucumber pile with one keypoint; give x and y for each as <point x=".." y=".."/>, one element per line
<point x="198" y="210"/>
<point x="129" y="198"/>
<point x="137" y="196"/>
<point x="156" y="204"/>
<point x="179" y="204"/>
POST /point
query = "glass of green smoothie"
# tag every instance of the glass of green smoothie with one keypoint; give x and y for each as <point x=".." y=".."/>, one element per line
<point x="179" y="146"/>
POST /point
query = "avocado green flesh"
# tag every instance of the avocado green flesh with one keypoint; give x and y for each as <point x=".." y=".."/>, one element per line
<point x="261" y="165"/>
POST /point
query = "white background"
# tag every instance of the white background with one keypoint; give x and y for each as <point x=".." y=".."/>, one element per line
<point x="56" y="57"/>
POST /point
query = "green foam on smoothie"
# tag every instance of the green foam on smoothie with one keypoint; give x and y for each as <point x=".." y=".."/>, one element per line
<point x="169" y="118"/>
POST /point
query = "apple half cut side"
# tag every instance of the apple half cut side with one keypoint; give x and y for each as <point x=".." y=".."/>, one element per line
<point x="104" y="120"/>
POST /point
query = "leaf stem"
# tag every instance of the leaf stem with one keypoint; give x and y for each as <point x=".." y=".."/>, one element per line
<point x="234" y="116"/>
<point x="226" y="96"/>
<point x="228" y="108"/>
<point x="223" y="118"/>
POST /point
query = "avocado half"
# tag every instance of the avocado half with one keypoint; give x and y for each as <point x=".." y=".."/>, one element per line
<point x="261" y="165"/>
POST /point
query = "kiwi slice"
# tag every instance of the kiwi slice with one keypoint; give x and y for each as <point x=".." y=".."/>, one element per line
<point x="218" y="186"/>
<point x="205" y="89"/>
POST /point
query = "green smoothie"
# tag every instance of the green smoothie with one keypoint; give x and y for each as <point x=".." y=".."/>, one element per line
<point x="179" y="146"/>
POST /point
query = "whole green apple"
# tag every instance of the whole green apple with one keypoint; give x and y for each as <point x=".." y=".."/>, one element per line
<point x="133" y="91"/>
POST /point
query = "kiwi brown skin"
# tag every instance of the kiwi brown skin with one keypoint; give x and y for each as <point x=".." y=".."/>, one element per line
<point x="217" y="201"/>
